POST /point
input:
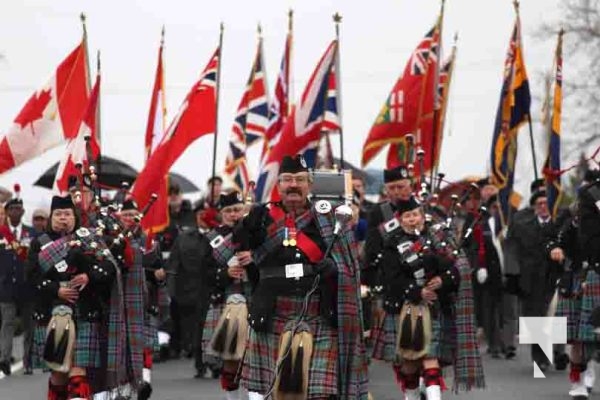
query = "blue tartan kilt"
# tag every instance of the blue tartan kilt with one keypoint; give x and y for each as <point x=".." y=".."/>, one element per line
<point x="87" y="351"/>
<point x="37" y="347"/>
<point x="385" y="338"/>
<point x="263" y="350"/>
<point x="589" y="301"/>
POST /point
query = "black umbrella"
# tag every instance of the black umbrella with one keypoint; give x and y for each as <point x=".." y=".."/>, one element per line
<point x="111" y="172"/>
<point x="185" y="185"/>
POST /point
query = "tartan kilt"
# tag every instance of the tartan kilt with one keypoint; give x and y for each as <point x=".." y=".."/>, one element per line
<point x="589" y="301"/>
<point x="87" y="351"/>
<point x="263" y="347"/>
<point x="210" y="325"/>
<point x="151" y="332"/>
<point x="37" y="347"/>
<point x="385" y="335"/>
<point x="569" y="307"/>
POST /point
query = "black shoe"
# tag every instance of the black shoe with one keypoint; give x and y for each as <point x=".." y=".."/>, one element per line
<point x="28" y="371"/>
<point x="561" y="362"/>
<point x="144" y="391"/>
<point x="200" y="373"/>
<point x="216" y="373"/>
<point x="511" y="353"/>
<point x="5" y="368"/>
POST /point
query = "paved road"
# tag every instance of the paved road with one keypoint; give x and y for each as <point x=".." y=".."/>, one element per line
<point x="173" y="381"/>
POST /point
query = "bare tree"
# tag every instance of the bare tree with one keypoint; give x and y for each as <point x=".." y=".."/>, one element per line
<point x="581" y="21"/>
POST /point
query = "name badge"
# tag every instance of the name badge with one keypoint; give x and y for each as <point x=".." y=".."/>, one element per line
<point x="404" y="247"/>
<point x="391" y="225"/>
<point x="294" y="271"/>
<point x="216" y="242"/>
<point x="61" y="266"/>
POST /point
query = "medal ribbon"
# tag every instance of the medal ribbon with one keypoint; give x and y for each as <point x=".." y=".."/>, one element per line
<point x="291" y="233"/>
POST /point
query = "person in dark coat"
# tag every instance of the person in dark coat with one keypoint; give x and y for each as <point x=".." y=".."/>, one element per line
<point x="181" y="219"/>
<point x="13" y="290"/>
<point x="532" y="274"/>
<point x="188" y="288"/>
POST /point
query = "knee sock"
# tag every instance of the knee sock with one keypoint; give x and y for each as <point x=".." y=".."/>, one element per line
<point x="56" y="392"/>
<point x="433" y="377"/>
<point x="228" y="382"/>
<point x="79" y="388"/>
<point x="406" y="381"/>
<point x="575" y="372"/>
<point x="147" y="370"/>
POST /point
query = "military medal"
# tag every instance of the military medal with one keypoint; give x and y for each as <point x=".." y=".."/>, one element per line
<point x="286" y="241"/>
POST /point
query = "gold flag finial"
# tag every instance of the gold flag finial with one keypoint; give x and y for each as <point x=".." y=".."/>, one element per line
<point x="259" y="30"/>
<point x="162" y="35"/>
<point x="337" y="19"/>
<point x="455" y="37"/>
<point x="290" y="19"/>
<point x="516" y="5"/>
<point x="83" y="24"/>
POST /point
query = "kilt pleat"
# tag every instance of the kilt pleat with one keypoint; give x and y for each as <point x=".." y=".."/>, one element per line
<point x="589" y="301"/>
<point x="263" y="347"/>
<point x="87" y="351"/>
<point x="384" y="339"/>
<point x="151" y="332"/>
<point x="37" y="347"/>
<point x="569" y="307"/>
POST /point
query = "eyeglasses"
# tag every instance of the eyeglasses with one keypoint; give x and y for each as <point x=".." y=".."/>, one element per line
<point x="290" y="178"/>
<point x="230" y="210"/>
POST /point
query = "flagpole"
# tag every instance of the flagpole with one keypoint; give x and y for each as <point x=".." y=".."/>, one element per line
<point x="98" y="128"/>
<point x="82" y="17"/>
<point x="529" y="123"/>
<point x="436" y="105"/>
<point x="337" y="19"/>
<point x="290" y="81"/>
<point x="214" y="165"/>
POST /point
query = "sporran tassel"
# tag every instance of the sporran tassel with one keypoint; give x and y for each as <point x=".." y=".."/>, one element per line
<point x="61" y="349"/>
<point x="49" y="347"/>
<point x="419" y="338"/>
<point x="221" y="338"/>
<point x="406" y="332"/>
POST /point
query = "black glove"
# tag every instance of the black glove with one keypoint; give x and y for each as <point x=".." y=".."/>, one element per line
<point x="511" y="284"/>
<point x="255" y="220"/>
<point x="326" y="268"/>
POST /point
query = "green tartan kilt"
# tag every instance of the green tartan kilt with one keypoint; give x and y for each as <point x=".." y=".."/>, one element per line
<point x="589" y="301"/>
<point x="37" y="347"/>
<point x="87" y="351"/>
<point x="210" y="325"/>
<point x="263" y="350"/>
<point x="385" y="338"/>
<point x="569" y="307"/>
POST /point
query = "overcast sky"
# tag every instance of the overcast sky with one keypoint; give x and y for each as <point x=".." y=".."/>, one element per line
<point x="377" y="38"/>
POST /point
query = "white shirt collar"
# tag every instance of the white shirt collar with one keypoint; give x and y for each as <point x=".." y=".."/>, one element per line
<point x="18" y="229"/>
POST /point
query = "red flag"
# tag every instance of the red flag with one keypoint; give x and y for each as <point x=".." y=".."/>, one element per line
<point x="410" y="104"/>
<point x="196" y="117"/>
<point x="157" y="217"/>
<point x="76" y="147"/>
<point x="52" y="114"/>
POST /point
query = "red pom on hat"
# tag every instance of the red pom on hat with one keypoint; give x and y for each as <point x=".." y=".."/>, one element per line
<point x="17" y="190"/>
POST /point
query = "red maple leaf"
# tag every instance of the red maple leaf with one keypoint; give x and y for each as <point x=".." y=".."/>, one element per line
<point x="34" y="108"/>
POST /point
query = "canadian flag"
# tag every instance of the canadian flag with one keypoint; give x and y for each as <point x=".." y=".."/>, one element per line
<point x="76" y="147"/>
<point x="51" y="115"/>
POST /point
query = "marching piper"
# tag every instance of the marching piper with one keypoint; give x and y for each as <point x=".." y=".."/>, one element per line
<point x="418" y="299"/>
<point x="305" y="311"/>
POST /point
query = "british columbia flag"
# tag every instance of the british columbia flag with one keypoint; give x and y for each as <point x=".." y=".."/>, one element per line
<point x="302" y="130"/>
<point x="250" y="124"/>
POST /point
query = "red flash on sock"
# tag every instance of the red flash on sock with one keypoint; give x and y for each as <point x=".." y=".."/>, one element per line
<point x="147" y="358"/>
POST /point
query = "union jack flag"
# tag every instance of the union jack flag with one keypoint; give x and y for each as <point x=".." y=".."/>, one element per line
<point x="426" y="53"/>
<point x="250" y="124"/>
<point x="308" y="120"/>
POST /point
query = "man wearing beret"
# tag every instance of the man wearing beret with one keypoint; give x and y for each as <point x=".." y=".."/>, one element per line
<point x="288" y="243"/>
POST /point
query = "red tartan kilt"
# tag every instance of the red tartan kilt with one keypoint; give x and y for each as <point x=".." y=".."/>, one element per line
<point x="263" y="348"/>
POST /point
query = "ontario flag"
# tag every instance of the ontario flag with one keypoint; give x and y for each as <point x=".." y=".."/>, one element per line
<point x="51" y="116"/>
<point x="196" y="117"/>
<point x="77" y="151"/>
<point x="157" y="217"/>
<point x="513" y="111"/>
<point x="250" y="123"/>
<point x="409" y="107"/>
<point x="400" y="153"/>
<point x="303" y="128"/>
<point x="552" y="164"/>
<point x="278" y="113"/>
